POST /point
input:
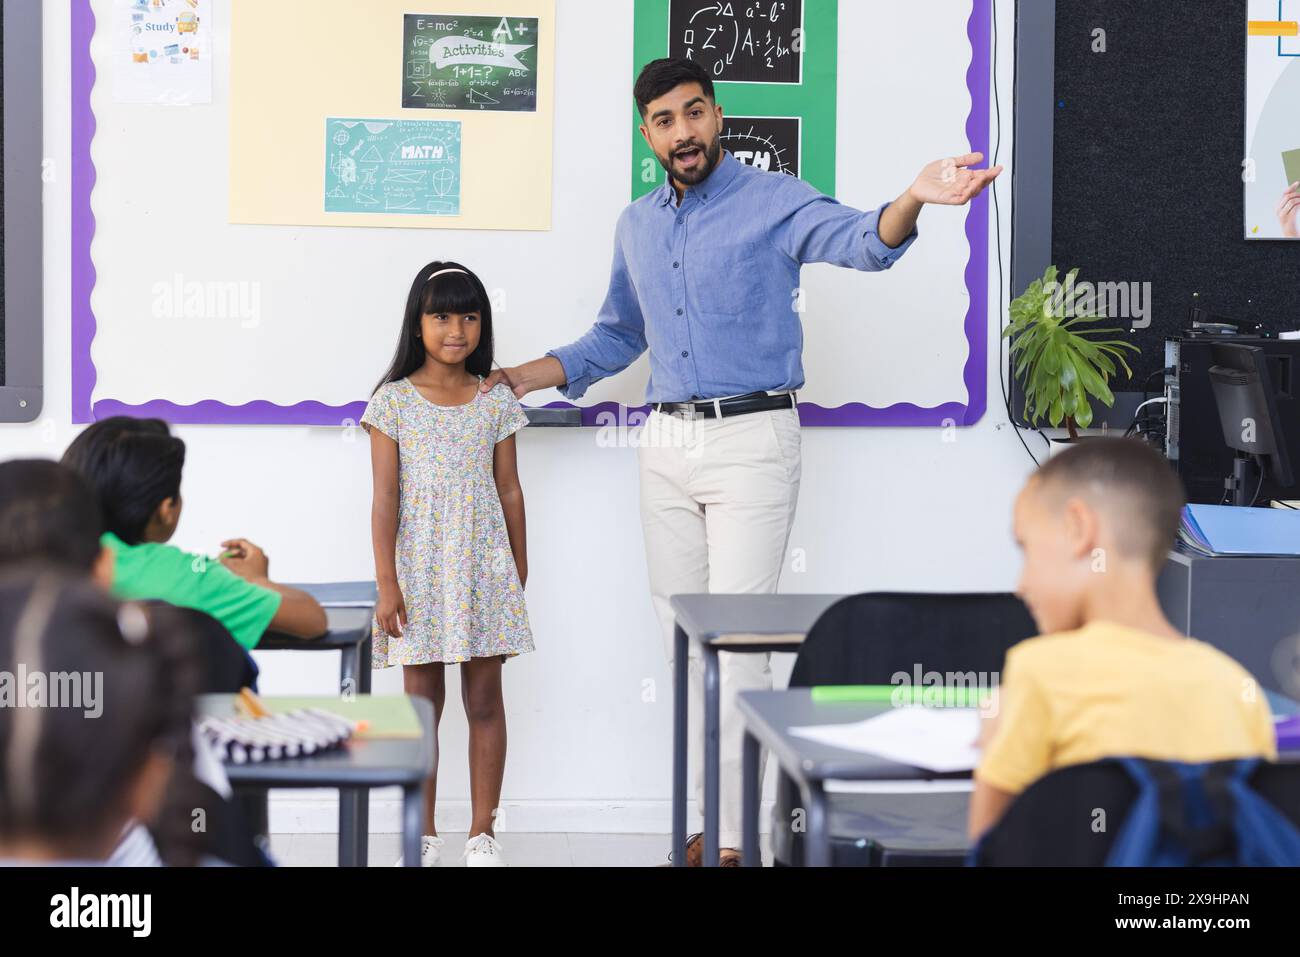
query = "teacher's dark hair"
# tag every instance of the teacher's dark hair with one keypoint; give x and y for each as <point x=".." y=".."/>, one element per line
<point x="452" y="292"/>
<point x="660" y="76"/>
<point x="134" y="465"/>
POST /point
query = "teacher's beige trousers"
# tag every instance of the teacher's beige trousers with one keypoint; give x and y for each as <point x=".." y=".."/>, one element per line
<point x="718" y="499"/>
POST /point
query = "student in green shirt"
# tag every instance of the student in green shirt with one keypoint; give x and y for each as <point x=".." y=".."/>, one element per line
<point x="135" y="467"/>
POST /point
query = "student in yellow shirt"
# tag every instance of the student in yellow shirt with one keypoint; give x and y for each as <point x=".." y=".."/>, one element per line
<point x="1109" y="676"/>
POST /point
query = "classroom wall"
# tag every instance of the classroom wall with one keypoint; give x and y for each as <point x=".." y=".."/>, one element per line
<point x="589" y="713"/>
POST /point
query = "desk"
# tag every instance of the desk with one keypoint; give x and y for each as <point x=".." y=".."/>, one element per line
<point x="741" y="624"/>
<point x="769" y="715"/>
<point x="362" y="765"/>
<point x="1246" y="606"/>
<point x="350" y="610"/>
<point x="349" y="634"/>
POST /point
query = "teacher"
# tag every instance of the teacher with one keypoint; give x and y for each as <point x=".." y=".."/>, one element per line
<point x="706" y="275"/>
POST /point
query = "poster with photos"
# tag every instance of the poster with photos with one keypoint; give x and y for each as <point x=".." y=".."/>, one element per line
<point x="162" y="51"/>
<point x="1271" y="168"/>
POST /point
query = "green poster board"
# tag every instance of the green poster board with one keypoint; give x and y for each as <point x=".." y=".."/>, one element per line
<point x="469" y="63"/>
<point x="775" y="67"/>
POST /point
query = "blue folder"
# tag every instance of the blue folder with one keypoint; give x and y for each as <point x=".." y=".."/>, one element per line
<point x="1234" y="530"/>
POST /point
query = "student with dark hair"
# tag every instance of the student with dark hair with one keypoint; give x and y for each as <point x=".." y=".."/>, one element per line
<point x="49" y="514"/>
<point x="49" y="517"/>
<point x="705" y="268"/>
<point x="448" y="529"/>
<point x="1109" y="676"/>
<point x="115" y="723"/>
<point x="135" y="467"/>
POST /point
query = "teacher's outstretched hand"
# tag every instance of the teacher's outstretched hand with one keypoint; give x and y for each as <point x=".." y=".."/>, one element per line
<point x="945" y="182"/>
<point x="951" y="182"/>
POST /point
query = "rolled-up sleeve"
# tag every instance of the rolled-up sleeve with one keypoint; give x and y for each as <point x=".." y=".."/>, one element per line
<point x="811" y="227"/>
<point x="615" y="340"/>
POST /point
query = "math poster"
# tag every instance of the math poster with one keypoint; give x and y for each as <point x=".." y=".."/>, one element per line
<point x="469" y="63"/>
<point x="770" y="143"/>
<point x="1271" y="169"/>
<point x="774" y="65"/>
<point x="739" y="41"/>
<point x="162" y="51"/>
<point x="392" y="166"/>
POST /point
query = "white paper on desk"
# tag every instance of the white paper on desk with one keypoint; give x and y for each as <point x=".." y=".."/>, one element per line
<point x="936" y="739"/>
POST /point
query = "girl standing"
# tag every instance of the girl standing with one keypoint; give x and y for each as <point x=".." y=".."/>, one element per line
<point x="448" y="528"/>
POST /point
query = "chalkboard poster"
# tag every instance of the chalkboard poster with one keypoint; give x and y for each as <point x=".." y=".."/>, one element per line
<point x="781" y="118"/>
<point x="767" y="142"/>
<point x="740" y="41"/>
<point x="469" y="63"/>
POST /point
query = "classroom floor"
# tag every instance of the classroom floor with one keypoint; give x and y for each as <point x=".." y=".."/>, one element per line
<point x="521" y="850"/>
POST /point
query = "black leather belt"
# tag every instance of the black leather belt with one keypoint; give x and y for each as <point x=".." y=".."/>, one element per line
<point x="736" y="405"/>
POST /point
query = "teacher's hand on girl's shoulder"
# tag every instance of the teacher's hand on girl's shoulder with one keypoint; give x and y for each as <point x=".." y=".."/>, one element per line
<point x="541" y="373"/>
<point x="497" y="376"/>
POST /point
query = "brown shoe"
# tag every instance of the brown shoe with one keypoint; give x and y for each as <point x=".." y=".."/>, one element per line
<point x="727" y="856"/>
<point x="695" y="850"/>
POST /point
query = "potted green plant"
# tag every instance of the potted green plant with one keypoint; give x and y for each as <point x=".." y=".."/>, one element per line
<point x="1058" y="360"/>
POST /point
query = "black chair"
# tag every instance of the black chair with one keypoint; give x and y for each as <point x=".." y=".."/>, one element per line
<point x="1071" y="817"/>
<point x="224" y="666"/>
<point x="869" y="639"/>
<point x="229" y="826"/>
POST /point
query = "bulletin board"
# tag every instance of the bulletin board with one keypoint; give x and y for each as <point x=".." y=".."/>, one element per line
<point x="1168" y="94"/>
<point x="209" y="287"/>
<point x="401" y="116"/>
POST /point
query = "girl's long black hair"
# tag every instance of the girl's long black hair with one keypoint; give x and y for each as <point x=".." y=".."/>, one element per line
<point x="458" y="292"/>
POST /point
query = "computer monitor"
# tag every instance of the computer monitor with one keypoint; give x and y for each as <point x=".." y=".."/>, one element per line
<point x="1243" y="392"/>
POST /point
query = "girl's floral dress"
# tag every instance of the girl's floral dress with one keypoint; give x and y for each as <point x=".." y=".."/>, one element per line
<point x="454" y="564"/>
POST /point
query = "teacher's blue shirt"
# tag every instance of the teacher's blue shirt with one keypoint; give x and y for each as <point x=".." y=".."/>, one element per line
<point x="710" y="286"/>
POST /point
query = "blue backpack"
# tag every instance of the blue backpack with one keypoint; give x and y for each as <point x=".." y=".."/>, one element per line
<point x="1201" y="815"/>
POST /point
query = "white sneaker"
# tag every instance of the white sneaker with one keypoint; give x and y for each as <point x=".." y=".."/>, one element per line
<point x="483" y="851"/>
<point x="430" y="852"/>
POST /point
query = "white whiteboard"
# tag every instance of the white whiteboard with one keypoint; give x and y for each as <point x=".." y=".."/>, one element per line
<point x="316" y="309"/>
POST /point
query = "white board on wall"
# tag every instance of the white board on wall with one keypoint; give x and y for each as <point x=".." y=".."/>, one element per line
<point x="196" y="316"/>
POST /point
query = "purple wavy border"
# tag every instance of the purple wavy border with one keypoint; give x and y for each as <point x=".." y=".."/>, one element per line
<point x="207" y="412"/>
<point x="83" y="217"/>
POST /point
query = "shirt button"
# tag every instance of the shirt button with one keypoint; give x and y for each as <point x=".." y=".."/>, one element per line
<point x="679" y="312"/>
<point x="680" y="220"/>
<point x="676" y="265"/>
<point x="685" y="355"/>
